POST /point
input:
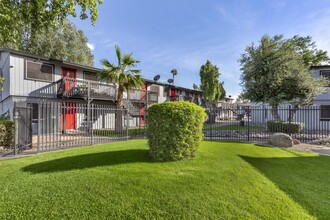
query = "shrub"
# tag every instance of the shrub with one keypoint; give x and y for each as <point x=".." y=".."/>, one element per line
<point x="8" y="139"/>
<point x="2" y="133"/>
<point x="285" y="127"/>
<point x="174" y="130"/>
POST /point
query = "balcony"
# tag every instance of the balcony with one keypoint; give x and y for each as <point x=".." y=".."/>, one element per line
<point x="77" y="88"/>
<point x="181" y="97"/>
<point x="138" y="95"/>
<point x="197" y="101"/>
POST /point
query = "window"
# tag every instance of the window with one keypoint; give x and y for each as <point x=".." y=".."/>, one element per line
<point x="92" y="77"/>
<point x="326" y="74"/>
<point x="325" y="113"/>
<point x="39" y="71"/>
<point x="154" y="89"/>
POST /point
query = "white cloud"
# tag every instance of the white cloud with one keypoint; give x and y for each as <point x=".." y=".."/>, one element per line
<point x="91" y="46"/>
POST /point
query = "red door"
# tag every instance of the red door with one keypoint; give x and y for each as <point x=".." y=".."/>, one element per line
<point x="70" y="74"/>
<point x="70" y="107"/>
<point x="142" y="115"/>
<point x="70" y="115"/>
<point x="173" y="94"/>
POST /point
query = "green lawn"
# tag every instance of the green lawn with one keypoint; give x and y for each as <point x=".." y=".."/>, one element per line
<point x="232" y="127"/>
<point x="112" y="133"/>
<point x="226" y="180"/>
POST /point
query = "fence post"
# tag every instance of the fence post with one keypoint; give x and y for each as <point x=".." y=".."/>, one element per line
<point x="91" y="124"/>
<point x="145" y="109"/>
<point x="39" y="127"/>
<point x="290" y="117"/>
<point x="16" y="117"/>
<point x="127" y="114"/>
<point x="248" y="122"/>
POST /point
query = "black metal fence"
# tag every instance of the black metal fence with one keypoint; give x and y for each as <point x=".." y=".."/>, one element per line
<point x="61" y="125"/>
<point x="308" y="124"/>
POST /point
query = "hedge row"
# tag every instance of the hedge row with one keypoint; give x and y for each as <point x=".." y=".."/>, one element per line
<point x="174" y="130"/>
<point x="285" y="127"/>
<point x="7" y="129"/>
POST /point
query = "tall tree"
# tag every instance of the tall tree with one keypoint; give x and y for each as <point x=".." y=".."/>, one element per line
<point x="126" y="77"/>
<point x="276" y="71"/>
<point x="62" y="42"/>
<point x="174" y="72"/>
<point x="211" y="87"/>
<point x="29" y="16"/>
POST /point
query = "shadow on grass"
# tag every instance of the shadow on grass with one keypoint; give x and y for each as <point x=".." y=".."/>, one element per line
<point x="305" y="179"/>
<point x="88" y="161"/>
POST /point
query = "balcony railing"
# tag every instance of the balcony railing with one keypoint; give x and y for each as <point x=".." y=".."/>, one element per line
<point x="197" y="101"/>
<point x="138" y="95"/>
<point x="76" y="88"/>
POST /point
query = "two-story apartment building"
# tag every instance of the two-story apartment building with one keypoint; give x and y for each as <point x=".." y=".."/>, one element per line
<point x="169" y="92"/>
<point x="31" y="79"/>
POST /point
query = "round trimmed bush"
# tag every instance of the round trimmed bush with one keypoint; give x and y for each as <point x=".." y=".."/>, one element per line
<point x="174" y="130"/>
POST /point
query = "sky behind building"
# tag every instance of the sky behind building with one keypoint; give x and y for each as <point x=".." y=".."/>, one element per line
<point x="183" y="34"/>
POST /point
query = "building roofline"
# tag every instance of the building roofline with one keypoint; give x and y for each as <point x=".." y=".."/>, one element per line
<point x="49" y="59"/>
<point x="23" y="53"/>
<point x="170" y="85"/>
<point x="94" y="69"/>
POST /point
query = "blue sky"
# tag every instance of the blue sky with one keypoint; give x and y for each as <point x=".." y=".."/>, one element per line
<point x="183" y="34"/>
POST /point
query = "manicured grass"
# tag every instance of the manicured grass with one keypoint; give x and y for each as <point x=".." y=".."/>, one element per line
<point x="112" y="133"/>
<point x="233" y="127"/>
<point x="226" y="180"/>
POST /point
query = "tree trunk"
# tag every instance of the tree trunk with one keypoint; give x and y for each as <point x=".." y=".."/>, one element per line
<point x="292" y="113"/>
<point x="119" y="111"/>
<point x="275" y="114"/>
<point x="210" y="113"/>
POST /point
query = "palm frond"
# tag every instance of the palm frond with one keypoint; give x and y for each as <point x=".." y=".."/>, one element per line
<point x="174" y="72"/>
<point x="123" y="74"/>
<point x="136" y="72"/>
<point x="118" y="53"/>
<point x="134" y="82"/>
<point x="128" y="61"/>
<point x="106" y="63"/>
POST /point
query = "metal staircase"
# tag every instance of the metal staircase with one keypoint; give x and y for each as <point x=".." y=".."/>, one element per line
<point x="133" y="110"/>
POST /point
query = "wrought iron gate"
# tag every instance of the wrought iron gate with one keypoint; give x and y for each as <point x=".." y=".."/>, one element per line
<point x="23" y="136"/>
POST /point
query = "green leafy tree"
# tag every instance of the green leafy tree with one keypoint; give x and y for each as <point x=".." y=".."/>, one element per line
<point x="196" y="87"/>
<point x="30" y="16"/>
<point x="62" y="42"/>
<point x="125" y="76"/>
<point x="277" y="71"/>
<point x="212" y="89"/>
<point x="174" y="72"/>
<point x="307" y="50"/>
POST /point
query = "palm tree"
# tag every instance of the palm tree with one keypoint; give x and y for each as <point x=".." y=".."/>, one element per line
<point x="174" y="72"/>
<point x="125" y="76"/>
